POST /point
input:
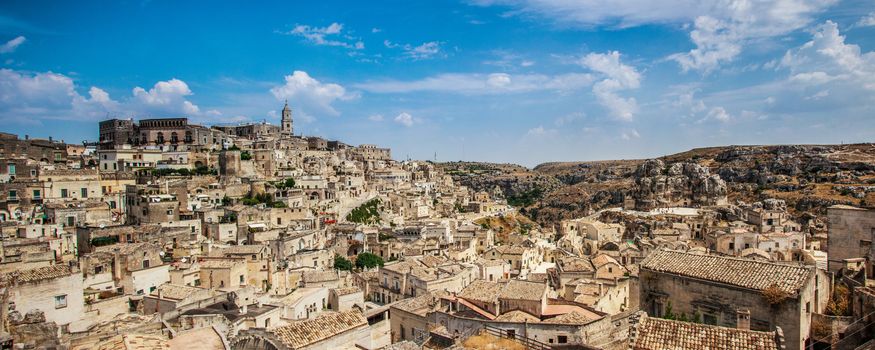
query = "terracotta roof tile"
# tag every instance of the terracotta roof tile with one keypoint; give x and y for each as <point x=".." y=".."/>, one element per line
<point x="660" y="334"/>
<point x="300" y="334"/>
<point x="745" y="273"/>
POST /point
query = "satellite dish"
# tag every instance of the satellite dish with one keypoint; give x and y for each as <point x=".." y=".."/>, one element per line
<point x="161" y="253"/>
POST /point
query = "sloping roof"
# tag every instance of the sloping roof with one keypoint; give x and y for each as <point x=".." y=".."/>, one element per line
<point x="745" y="273"/>
<point x="482" y="291"/>
<point x="175" y="291"/>
<point x="300" y="334"/>
<point x="39" y="273"/>
<point x="660" y="334"/>
<point x="523" y="290"/>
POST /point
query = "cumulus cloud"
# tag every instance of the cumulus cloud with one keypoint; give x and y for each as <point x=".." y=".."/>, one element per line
<point x="312" y="95"/>
<point x="827" y="57"/>
<point x="405" y="119"/>
<point x="721" y="28"/>
<point x="166" y="97"/>
<point x="48" y="95"/>
<point x="376" y="118"/>
<point x="716" y="42"/>
<point x="13" y="44"/>
<point x="480" y="84"/>
<point x="866" y="21"/>
<point x="618" y="77"/>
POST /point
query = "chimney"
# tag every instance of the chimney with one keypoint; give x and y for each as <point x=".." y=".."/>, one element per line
<point x="743" y="319"/>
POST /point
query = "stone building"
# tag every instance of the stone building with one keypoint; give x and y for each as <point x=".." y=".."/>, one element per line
<point x="55" y="290"/>
<point x="851" y="233"/>
<point x="726" y="291"/>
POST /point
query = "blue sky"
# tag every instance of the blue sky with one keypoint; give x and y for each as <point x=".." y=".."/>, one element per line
<point x="524" y="81"/>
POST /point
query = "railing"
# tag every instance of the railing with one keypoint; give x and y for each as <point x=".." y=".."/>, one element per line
<point x="524" y="341"/>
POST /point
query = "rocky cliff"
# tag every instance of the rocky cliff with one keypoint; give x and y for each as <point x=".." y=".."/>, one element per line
<point x="808" y="178"/>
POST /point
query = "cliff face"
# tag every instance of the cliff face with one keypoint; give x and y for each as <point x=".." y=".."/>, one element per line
<point x="808" y="178"/>
<point x="678" y="184"/>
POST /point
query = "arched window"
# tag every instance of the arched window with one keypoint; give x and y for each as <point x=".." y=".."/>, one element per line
<point x="174" y="138"/>
<point x="160" y="138"/>
<point x="188" y="138"/>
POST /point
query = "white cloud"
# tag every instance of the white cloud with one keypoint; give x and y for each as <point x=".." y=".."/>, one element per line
<point x="630" y="134"/>
<point x="721" y="28"/>
<point x="13" y="44"/>
<point x="618" y="77"/>
<point x="478" y="84"/>
<point x="327" y="36"/>
<point x="540" y="131"/>
<point x="423" y="51"/>
<point x="827" y="57"/>
<point x="311" y="94"/>
<point x="867" y="20"/>
<point x="716" y="43"/>
<point x="719" y="114"/>
<point x="404" y="119"/>
<point x="376" y="30"/>
<point x="376" y="118"/>
<point x="498" y="80"/>
<point x="48" y="95"/>
<point x="569" y="118"/>
<point x="166" y="97"/>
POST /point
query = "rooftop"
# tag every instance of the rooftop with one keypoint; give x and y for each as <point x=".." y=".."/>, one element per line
<point x="300" y="334"/>
<point x="660" y="334"/>
<point x="746" y="273"/>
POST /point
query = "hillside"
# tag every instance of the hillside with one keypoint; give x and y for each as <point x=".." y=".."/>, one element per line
<point x="808" y="177"/>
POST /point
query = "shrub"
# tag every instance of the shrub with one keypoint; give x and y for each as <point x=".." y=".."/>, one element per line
<point x="341" y="263"/>
<point x="368" y="260"/>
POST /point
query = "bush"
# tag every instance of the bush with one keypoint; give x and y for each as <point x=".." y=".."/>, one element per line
<point x="368" y="260"/>
<point x="341" y="263"/>
<point x="245" y="155"/>
<point x="366" y="213"/>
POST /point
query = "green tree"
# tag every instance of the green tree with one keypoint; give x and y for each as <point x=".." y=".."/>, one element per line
<point x="669" y="315"/>
<point x="341" y="263"/>
<point x="368" y="260"/>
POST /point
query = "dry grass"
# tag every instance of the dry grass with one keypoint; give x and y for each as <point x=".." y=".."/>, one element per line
<point x="489" y="342"/>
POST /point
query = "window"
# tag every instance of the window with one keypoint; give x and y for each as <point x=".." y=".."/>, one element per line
<point x="11" y="169"/>
<point x="98" y="269"/>
<point x="145" y="264"/>
<point x="13" y="195"/>
<point x="808" y="307"/>
<point x="71" y="220"/>
<point x="61" y="301"/>
<point x="731" y="245"/>
<point x="710" y="319"/>
<point x="37" y="194"/>
<point x="64" y="193"/>
<point x="562" y="339"/>
<point x="241" y="279"/>
<point x="84" y="192"/>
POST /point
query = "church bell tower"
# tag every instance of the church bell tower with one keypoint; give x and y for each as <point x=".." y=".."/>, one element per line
<point x="286" y="122"/>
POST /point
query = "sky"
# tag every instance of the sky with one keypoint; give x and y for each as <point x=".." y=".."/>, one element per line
<point x="517" y="81"/>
